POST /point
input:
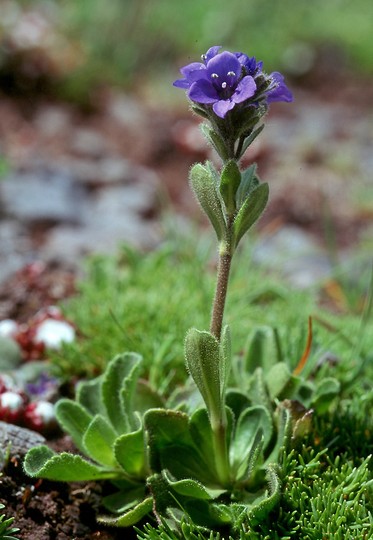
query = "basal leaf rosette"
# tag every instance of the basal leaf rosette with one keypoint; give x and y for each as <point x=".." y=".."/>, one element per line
<point x="105" y="423"/>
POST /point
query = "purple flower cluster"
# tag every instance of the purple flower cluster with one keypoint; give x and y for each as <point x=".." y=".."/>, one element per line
<point x="224" y="79"/>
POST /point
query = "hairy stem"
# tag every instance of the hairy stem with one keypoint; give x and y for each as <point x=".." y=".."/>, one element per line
<point x="224" y="266"/>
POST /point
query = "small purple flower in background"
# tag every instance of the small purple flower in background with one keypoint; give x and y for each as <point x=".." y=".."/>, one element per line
<point x="226" y="80"/>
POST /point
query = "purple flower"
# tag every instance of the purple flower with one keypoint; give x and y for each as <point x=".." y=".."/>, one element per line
<point x="224" y="80"/>
<point x="217" y="82"/>
<point x="278" y="91"/>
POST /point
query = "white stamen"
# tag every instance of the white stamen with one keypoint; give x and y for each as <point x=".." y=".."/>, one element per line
<point x="203" y="57"/>
<point x="214" y="76"/>
<point x="224" y="85"/>
<point x="231" y="74"/>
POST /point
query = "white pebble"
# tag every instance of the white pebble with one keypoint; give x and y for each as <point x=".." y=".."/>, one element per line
<point x="53" y="333"/>
<point x="11" y="401"/>
<point x="8" y="328"/>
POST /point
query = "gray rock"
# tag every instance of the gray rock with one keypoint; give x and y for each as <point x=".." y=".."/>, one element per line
<point x="19" y="440"/>
<point x="88" y="143"/>
<point x="15" y="248"/>
<point x="294" y="254"/>
<point x="45" y="194"/>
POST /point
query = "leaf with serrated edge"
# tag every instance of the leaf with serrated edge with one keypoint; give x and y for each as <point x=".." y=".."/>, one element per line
<point x="42" y="462"/>
<point x="131" y="517"/>
<point x="88" y="394"/>
<point x="262" y="508"/>
<point x="250" y="211"/>
<point x="98" y="441"/>
<point x="118" y="385"/>
<point x="74" y="419"/>
<point x="192" y="488"/>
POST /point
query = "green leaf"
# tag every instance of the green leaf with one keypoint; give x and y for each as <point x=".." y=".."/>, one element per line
<point x="230" y="179"/>
<point x="208" y="514"/>
<point x="98" y="441"/>
<point x="74" y="419"/>
<point x="164" y="427"/>
<point x="261" y="349"/>
<point x="262" y="508"/>
<point x="200" y="430"/>
<point x="89" y="395"/>
<point x="204" y="185"/>
<point x="225" y="360"/>
<point x="118" y="385"/>
<point x="202" y="354"/>
<point x="326" y="390"/>
<point x="251" y="138"/>
<point x="130" y="453"/>
<point x="250" y="422"/>
<point x="215" y="140"/>
<point x="123" y="500"/>
<point x="146" y="398"/>
<point x="249" y="181"/>
<point x="250" y="211"/>
<point x="281" y="382"/>
<point x="192" y="488"/>
<point x="42" y="462"/>
<point x="131" y="517"/>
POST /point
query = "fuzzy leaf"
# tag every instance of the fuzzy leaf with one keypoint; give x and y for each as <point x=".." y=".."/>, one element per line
<point x="250" y="211"/>
<point x="131" y="517"/>
<point x="215" y="140"/>
<point x="251" y="138"/>
<point x="123" y="500"/>
<point x="88" y="394"/>
<point x="164" y="428"/>
<point x="74" y="419"/>
<point x="118" y="386"/>
<point x="202" y="354"/>
<point x="192" y="488"/>
<point x="249" y="181"/>
<point x="262" y="508"/>
<point x="42" y="462"/>
<point x="225" y="360"/>
<point x="98" y="441"/>
<point x="230" y="179"/>
<point x="204" y="186"/>
<point x="130" y="453"/>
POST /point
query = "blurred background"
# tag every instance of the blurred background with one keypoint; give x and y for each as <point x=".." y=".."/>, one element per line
<point x="96" y="143"/>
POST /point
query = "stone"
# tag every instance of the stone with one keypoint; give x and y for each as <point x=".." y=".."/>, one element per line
<point x="41" y="195"/>
<point x="293" y="253"/>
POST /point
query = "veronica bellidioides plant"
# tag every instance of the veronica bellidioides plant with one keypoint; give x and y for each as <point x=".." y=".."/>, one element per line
<point x="212" y="463"/>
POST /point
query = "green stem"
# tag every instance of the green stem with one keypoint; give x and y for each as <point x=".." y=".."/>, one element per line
<point x="224" y="266"/>
<point x="219" y="431"/>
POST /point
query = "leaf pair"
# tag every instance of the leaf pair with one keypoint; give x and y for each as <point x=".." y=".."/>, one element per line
<point x="233" y="202"/>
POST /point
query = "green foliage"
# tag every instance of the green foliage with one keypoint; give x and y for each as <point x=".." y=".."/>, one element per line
<point x="328" y="498"/>
<point x="6" y="529"/>
<point x="137" y="37"/>
<point x="105" y="423"/>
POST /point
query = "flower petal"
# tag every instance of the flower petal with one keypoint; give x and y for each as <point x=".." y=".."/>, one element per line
<point x="280" y="91"/>
<point x="221" y="107"/>
<point x="222" y="64"/>
<point x="213" y="51"/>
<point x="245" y="90"/>
<point x="202" y="91"/>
